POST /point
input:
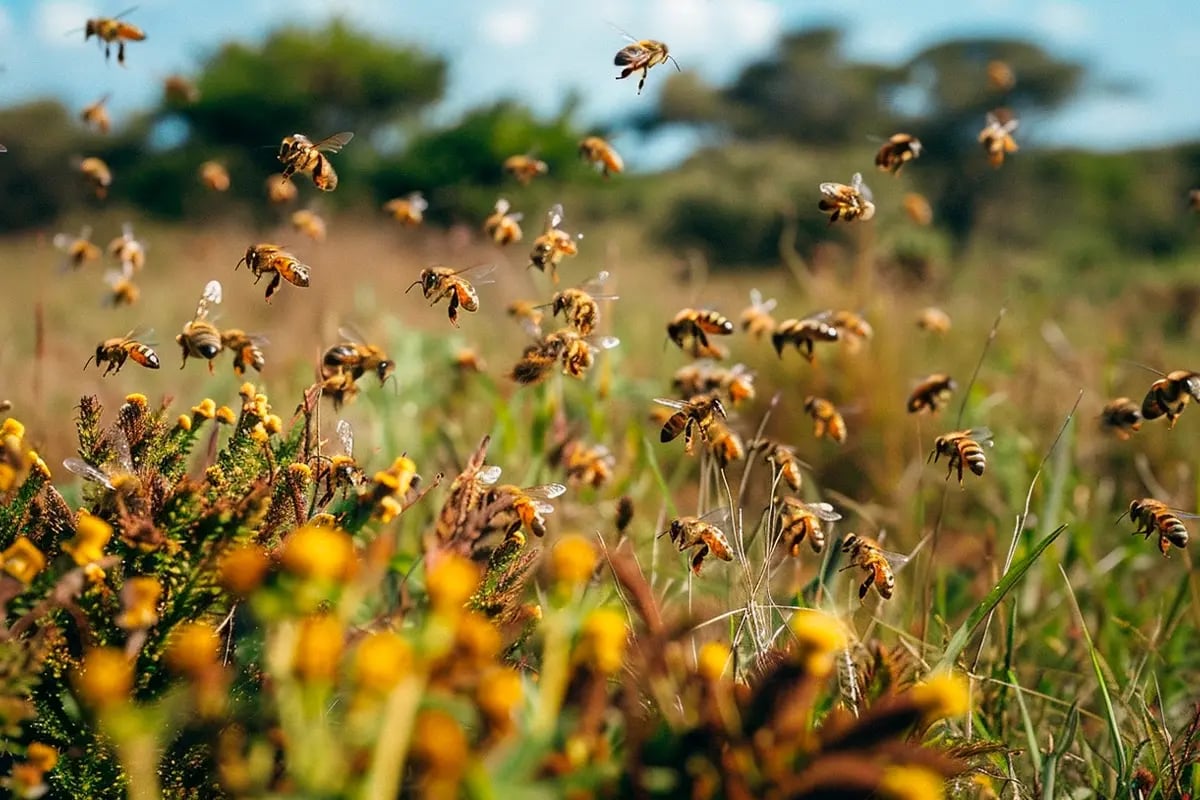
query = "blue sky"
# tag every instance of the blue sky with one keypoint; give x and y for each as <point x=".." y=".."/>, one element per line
<point x="535" y="50"/>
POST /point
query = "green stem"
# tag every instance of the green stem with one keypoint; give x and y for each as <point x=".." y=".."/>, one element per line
<point x="391" y="748"/>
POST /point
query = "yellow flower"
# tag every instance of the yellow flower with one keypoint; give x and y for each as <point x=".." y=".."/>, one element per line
<point x="319" y="553"/>
<point x="105" y="678"/>
<point x="498" y="694"/>
<point x="207" y="409"/>
<point x="942" y="695"/>
<point x="574" y="560"/>
<point x="711" y="660"/>
<point x="440" y="744"/>
<point x="91" y="535"/>
<point x="41" y="756"/>
<point x="184" y="422"/>
<point x="906" y="782"/>
<point x="36" y="464"/>
<point x="23" y="560"/>
<point x="259" y="433"/>
<point x="139" y="600"/>
<point x="225" y="414"/>
<point x="242" y="568"/>
<point x="12" y="427"/>
<point x="819" y="638"/>
<point x="247" y="391"/>
<point x="318" y="648"/>
<point x="388" y="509"/>
<point x="381" y="660"/>
<point x="450" y="583"/>
<point x="136" y="399"/>
<point x="300" y="472"/>
<point x="477" y="638"/>
<point x="192" y="648"/>
<point x="604" y="640"/>
<point x="8" y="477"/>
<point x="273" y="423"/>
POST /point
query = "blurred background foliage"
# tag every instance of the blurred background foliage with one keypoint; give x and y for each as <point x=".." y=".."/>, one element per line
<point x="804" y="114"/>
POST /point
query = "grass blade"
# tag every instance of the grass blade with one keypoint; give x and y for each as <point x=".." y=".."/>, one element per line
<point x="1065" y="738"/>
<point x="1035" y="754"/>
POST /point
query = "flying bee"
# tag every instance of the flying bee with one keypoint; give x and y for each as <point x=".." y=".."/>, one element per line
<point x="342" y="471"/>
<point x="527" y="511"/>
<point x="553" y="245"/>
<point x="698" y="413"/>
<point x="96" y="115"/>
<point x="918" y="209"/>
<point x="355" y="358"/>
<point x="586" y="465"/>
<point x="642" y="54"/>
<point x="1153" y="516"/>
<point x="897" y="151"/>
<point x="852" y="328"/>
<point x="122" y="291"/>
<point x="579" y="306"/>
<point x="179" y="90"/>
<point x="695" y="326"/>
<point x="756" y="319"/>
<point x="725" y="444"/>
<point x="704" y="535"/>
<point x="962" y="448"/>
<point x="702" y="377"/>
<point x="96" y="173"/>
<point x="1121" y="416"/>
<point x="407" y="210"/>
<point x="596" y="151"/>
<point x="804" y="334"/>
<point x="467" y="360"/>
<point x="782" y="457"/>
<point x="200" y="338"/>
<point x="879" y="564"/>
<point x="997" y="137"/>
<point x="529" y="315"/>
<point x="121" y="348"/>
<point x="799" y="521"/>
<point x="262" y="259"/>
<point x="525" y="168"/>
<point x="503" y="227"/>
<point x="1000" y="76"/>
<point x="340" y="388"/>
<point x="128" y="251"/>
<point x="442" y="282"/>
<point x="77" y="250"/>
<point x="931" y="394"/>
<point x="246" y="348"/>
<point x="464" y="497"/>
<point x="280" y="190"/>
<point x="827" y="420"/>
<point x="933" y="320"/>
<point x="113" y="30"/>
<point x="1170" y="394"/>
<point x="576" y="353"/>
<point x="847" y="203"/>
<point x="298" y="154"/>
<point x="309" y="223"/>
<point x="214" y="176"/>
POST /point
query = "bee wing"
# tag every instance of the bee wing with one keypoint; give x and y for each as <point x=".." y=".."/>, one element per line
<point x="555" y="217"/>
<point x="346" y="436"/>
<point x="476" y="272"/>
<point x="62" y="241"/>
<point x="113" y="276"/>
<point x="982" y="435"/>
<point x="757" y="302"/>
<point x="502" y="206"/>
<point x="720" y="517"/>
<point x="622" y="31"/>
<point x="87" y="471"/>
<point x="333" y="144"/>
<point x="831" y="189"/>
<point x="856" y="182"/>
<point x="418" y="201"/>
<point x="897" y="560"/>
<point x="516" y="217"/>
<point x="595" y="283"/>
<point x="212" y="293"/>
<point x="543" y="507"/>
<point x="824" y="511"/>
<point x="351" y="334"/>
<point x="488" y="475"/>
<point x="603" y="342"/>
<point x="1010" y="126"/>
<point x="119" y="443"/>
<point x="547" y="491"/>
<point x="676" y="404"/>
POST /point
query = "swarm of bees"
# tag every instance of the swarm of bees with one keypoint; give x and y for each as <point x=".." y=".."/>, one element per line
<point x="525" y="168"/>
<point x="641" y="55"/>
<point x="580" y="306"/>
<point x="96" y="116"/>
<point x="113" y="30"/>
<point x="931" y="394"/>
<point x="803" y="334"/>
<point x="77" y="250"/>
<point x="344" y="363"/>
<point x="827" y="420"/>
<point x="577" y="354"/>
<point x="271" y="259"/>
<point x="690" y="328"/>
<point x="897" y="151"/>
<point x="704" y="377"/>
<point x="299" y="155"/>
<point x="553" y="245"/>
<point x="1121" y="416"/>
<point x="933" y="320"/>
<point x="997" y="136"/>
<point x="847" y="202"/>
<point x="97" y="175"/>
<point x="962" y="449"/>
<point x="214" y="176"/>
<point x="756" y="318"/>
<point x="442" y="282"/>
<point x="596" y="151"/>
<point x="309" y="223"/>
<point x="502" y="226"/>
<point x="179" y="91"/>
<point x="408" y="210"/>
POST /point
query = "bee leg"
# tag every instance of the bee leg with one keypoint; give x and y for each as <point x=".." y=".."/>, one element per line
<point x="698" y="558"/>
<point x="642" y="82"/>
<point x="865" y="586"/>
<point x="273" y="285"/>
<point x="121" y="53"/>
<point x="452" y="309"/>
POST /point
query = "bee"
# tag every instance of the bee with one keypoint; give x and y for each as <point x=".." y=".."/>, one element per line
<point x="96" y="173"/>
<point x="918" y="209"/>
<point x="827" y="420"/>
<point x="340" y="388"/>
<point x="847" y="203"/>
<point x="1121" y="416"/>
<point x="1170" y="394"/>
<point x="355" y="358"/>
<point x="962" y="448"/>
<point x="799" y="521"/>
<point x="704" y="534"/>
<point x="624" y="513"/>
<point x="725" y="444"/>
<point x="782" y="457"/>
<point x="112" y="30"/>
<point x="128" y="251"/>
<point x="704" y="376"/>
<point x="576" y="352"/>
<point x="464" y="497"/>
<point x="408" y="210"/>
<point x="529" y="315"/>
<point x="214" y="176"/>
<point x="262" y="259"/>
<point x="596" y="151"/>
<point x="933" y="320"/>
<point x="804" y="334"/>
<point x="96" y="115"/>
<point x="852" y="328"/>
<point x="200" y="338"/>
<point x="121" y="348"/>
<point x="586" y="465"/>
<point x="527" y="511"/>
<point x="298" y="154"/>
<point x="309" y="223"/>
<point x="77" y="250"/>
<point x="343" y="471"/>
<point x="756" y="319"/>
<point x="280" y="190"/>
<point x="122" y="290"/>
<point x="931" y="394"/>
<point x="642" y="54"/>
<point x="1152" y="516"/>
<point x="442" y="282"/>
<point x="116" y="473"/>
<point x="178" y="91"/>
<point x="503" y="227"/>
<point x="579" y="306"/>
<point x="693" y="325"/>
<point x="467" y="359"/>
<point x="246" y="348"/>
<point x="525" y="168"/>
<point x="698" y="413"/>
<point x="879" y="564"/>
<point x="1000" y="76"/>
<point x="897" y="151"/>
<point x="997" y="137"/>
<point x="553" y="245"/>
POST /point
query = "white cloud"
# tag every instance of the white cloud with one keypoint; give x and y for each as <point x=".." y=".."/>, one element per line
<point x="53" y="19"/>
<point x="1064" y="21"/>
<point x="510" y="26"/>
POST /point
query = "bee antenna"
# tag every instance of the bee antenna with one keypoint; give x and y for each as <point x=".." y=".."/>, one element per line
<point x="673" y="61"/>
<point x="417" y="282"/>
<point x="88" y="363"/>
<point x="1145" y="367"/>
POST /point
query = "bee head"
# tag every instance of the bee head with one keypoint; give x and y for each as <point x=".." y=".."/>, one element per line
<point x="385" y="369"/>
